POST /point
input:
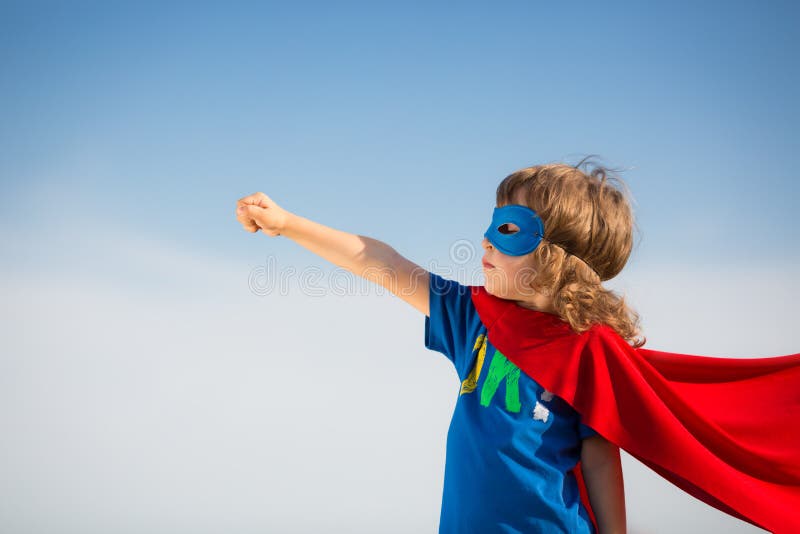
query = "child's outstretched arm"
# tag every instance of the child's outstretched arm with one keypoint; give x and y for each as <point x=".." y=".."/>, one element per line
<point x="369" y="258"/>
<point x="602" y="473"/>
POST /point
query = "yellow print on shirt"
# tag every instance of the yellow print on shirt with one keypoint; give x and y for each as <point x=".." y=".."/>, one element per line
<point x="500" y="369"/>
<point x="471" y="382"/>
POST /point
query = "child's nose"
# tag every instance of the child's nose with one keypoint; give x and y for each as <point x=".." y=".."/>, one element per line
<point x="486" y="243"/>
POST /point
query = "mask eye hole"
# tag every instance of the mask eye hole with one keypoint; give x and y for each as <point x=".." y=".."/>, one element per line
<point x="508" y="228"/>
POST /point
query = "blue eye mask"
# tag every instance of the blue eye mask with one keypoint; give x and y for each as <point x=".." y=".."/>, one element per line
<point x="518" y="242"/>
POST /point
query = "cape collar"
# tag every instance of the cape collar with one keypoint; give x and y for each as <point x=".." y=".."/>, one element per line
<point x="534" y="326"/>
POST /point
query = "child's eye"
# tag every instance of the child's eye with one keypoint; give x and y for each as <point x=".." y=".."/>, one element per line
<point x="508" y="228"/>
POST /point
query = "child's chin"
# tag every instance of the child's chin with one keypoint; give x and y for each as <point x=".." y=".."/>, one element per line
<point x="492" y="290"/>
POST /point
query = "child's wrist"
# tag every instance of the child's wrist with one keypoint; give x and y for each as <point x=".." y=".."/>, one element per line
<point x="288" y="225"/>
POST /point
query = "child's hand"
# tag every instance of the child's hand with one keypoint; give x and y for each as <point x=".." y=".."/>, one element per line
<point x="259" y="212"/>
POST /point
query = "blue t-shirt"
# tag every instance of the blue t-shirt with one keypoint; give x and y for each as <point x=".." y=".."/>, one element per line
<point x="511" y="444"/>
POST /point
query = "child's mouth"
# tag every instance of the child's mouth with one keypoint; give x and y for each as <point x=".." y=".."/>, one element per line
<point x="487" y="265"/>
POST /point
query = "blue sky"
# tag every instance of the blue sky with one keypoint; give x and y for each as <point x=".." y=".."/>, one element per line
<point x="148" y="113"/>
<point x="129" y="130"/>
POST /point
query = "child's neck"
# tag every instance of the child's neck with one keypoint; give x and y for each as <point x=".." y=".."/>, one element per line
<point x="538" y="302"/>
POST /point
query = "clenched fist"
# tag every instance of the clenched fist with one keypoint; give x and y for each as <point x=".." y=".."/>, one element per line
<point x="259" y="212"/>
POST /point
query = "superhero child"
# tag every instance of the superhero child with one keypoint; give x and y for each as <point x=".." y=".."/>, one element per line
<point x="554" y="379"/>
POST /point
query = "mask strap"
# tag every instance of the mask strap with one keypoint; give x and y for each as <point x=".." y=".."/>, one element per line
<point x="565" y="249"/>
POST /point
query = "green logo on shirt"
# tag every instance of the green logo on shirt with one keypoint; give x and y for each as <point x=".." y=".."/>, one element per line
<point x="500" y="369"/>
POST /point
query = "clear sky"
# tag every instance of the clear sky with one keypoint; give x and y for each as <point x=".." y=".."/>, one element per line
<point x="128" y="130"/>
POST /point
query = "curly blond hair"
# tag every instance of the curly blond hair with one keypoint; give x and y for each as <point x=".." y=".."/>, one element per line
<point x="588" y="239"/>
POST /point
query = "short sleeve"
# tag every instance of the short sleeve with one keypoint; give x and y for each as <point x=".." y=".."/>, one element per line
<point x="453" y="322"/>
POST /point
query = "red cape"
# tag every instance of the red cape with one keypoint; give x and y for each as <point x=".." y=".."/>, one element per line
<point x="724" y="430"/>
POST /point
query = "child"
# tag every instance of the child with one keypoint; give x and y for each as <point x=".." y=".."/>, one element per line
<point x="553" y="377"/>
